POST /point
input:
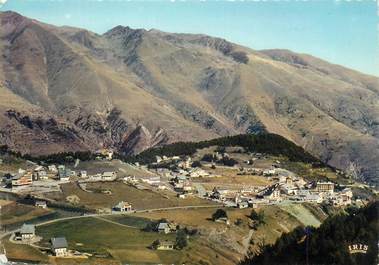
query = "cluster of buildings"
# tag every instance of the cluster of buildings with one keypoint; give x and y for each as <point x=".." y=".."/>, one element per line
<point x="27" y="235"/>
<point x="100" y="177"/>
<point x="26" y="177"/>
<point x="286" y="188"/>
<point x="60" y="174"/>
<point x="180" y="167"/>
<point x="285" y="184"/>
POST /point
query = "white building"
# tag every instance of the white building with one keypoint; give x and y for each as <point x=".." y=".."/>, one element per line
<point x="122" y="207"/>
<point x="52" y="169"/>
<point x="27" y="232"/>
<point x="59" y="246"/>
<point x="327" y="187"/>
<point x="41" y="204"/>
<point x="152" y="180"/>
<point x="109" y="176"/>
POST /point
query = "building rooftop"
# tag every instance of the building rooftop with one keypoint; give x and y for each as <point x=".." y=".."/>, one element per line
<point x="166" y="243"/>
<point x="108" y="174"/>
<point x="59" y="242"/>
<point x="163" y="226"/>
<point x="28" y="229"/>
<point x="122" y="204"/>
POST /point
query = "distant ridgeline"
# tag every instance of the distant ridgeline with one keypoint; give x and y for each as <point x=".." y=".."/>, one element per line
<point x="345" y="239"/>
<point x="272" y="144"/>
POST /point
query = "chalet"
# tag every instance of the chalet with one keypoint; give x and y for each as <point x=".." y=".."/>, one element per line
<point x="130" y="179"/>
<point x="313" y="198"/>
<point x="306" y="196"/>
<point x="273" y="195"/>
<point x="40" y="204"/>
<point x="289" y="189"/>
<point x="152" y="180"/>
<point x="83" y="174"/>
<point x="219" y="193"/>
<point x="187" y="188"/>
<point x="180" y="179"/>
<point x="222" y="220"/>
<point x="53" y="169"/>
<point x="123" y="207"/>
<point x="42" y="175"/>
<point x="64" y="178"/>
<point x="182" y="196"/>
<point x="109" y="176"/>
<point x="63" y="173"/>
<point x="178" y="187"/>
<point x="59" y="246"/>
<point x="38" y="168"/>
<point x="158" y="159"/>
<point x="162" y="187"/>
<point x="7" y="178"/>
<point x="342" y="198"/>
<point x="198" y="172"/>
<point x="300" y="182"/>
<point x="27" y="232"/>
<point x="164" y="245"/>
<point x="163" y="228"/>
<point x="230" y="204"/>
<point x="186" y="163"/>
<point x="39" y="173"/>
<point x="22" y="179"/>
<point x="269" y="172"/>
<point x="327" y="187"/>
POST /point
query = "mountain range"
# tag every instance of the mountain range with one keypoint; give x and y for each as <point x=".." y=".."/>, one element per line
<point x="70" y="89"/>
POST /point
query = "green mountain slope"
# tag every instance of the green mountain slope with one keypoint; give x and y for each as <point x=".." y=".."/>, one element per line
<point x="328" y="244"/>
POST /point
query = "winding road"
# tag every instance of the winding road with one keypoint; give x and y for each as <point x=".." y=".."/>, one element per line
<point x="3" y="235"/>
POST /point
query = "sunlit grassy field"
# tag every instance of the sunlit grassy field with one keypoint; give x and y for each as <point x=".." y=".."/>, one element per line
<point x="98" y="236"/>
<point x="140" y="199"/>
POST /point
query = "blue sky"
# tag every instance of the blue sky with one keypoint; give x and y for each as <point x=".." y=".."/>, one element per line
<point x="342" y="32"/>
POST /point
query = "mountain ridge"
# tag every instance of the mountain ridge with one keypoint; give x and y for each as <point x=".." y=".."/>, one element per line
<point x="131" y="89"/>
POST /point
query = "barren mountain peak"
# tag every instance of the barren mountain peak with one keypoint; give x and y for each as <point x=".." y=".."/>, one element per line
<point x="181" y="87"/>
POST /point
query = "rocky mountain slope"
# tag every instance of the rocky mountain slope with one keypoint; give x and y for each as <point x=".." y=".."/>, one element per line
<point x="66" y="88"/>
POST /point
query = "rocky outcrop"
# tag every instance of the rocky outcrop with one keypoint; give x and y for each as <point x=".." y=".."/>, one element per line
<point x="38" y="134"/>
<point x="141" y="139"/>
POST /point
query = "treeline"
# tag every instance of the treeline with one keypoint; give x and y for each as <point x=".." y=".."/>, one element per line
<point x="328" y="244"/>
<point x="262" y="143"/>
<point x="58" y="158"/>
<point x="65" y="157"/>
<point x="271" y="144"/>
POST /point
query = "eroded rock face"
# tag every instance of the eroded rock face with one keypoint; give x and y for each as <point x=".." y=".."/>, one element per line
<point x="38" y="134"/>
<point x="141" y="139"/>
<point x="109" y="128"/>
